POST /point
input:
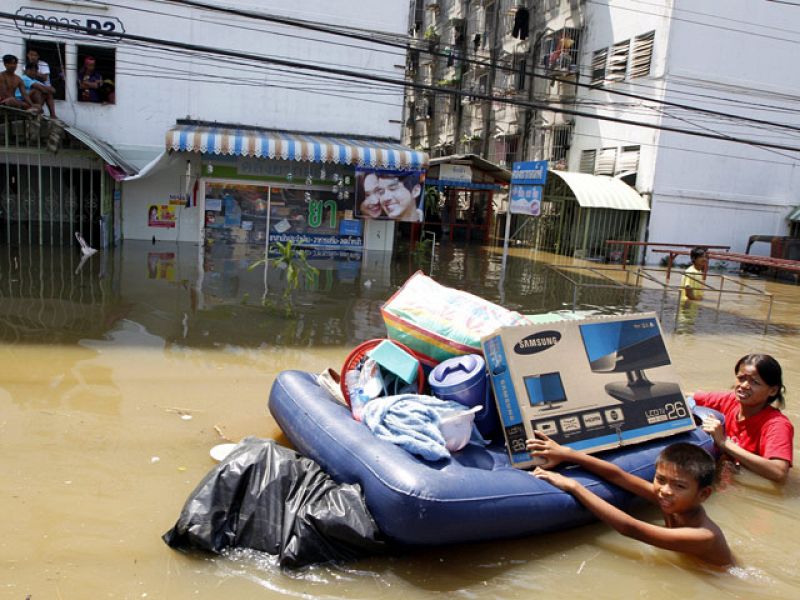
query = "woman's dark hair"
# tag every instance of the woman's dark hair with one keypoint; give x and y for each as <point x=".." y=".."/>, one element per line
<point x="770" y="371"/>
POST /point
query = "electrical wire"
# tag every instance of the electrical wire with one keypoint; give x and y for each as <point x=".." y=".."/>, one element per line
<point x="509" y="69"/>
<point x="405" y="84"/>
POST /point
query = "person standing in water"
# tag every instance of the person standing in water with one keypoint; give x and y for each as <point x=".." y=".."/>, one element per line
<point x="692" y="282"/>
<point x="683" y="481"/>
<point x="756" y="435"/>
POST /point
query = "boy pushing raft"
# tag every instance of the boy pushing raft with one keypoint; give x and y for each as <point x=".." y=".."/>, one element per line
<point x="683" y="481"/>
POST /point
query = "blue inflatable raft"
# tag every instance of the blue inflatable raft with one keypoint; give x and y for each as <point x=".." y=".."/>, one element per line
<point x="475" y="495"/>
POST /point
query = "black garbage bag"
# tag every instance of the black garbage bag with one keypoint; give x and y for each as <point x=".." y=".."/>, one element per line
<point x="269" y="498"/>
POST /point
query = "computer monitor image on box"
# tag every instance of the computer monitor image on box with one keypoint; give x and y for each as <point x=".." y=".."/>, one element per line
<point x="545" y="389"/>
<point x="628" y="347"/>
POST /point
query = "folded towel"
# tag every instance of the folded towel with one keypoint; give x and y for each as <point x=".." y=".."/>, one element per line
<point x="410" y="421"/>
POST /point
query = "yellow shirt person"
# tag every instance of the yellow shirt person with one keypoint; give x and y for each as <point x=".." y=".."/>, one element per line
<point x="692" y="282"/>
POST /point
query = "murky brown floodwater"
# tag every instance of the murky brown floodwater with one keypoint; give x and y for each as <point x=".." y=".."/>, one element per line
<point x="115" y="382"/>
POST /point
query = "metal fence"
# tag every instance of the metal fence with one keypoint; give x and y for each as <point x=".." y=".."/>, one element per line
<point x="48" y="194"/>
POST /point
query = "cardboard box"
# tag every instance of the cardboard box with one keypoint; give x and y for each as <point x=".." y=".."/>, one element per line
<point x="591" y="384"/>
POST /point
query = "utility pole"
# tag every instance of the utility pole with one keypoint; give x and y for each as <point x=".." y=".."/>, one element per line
<point x="488" y="113"/>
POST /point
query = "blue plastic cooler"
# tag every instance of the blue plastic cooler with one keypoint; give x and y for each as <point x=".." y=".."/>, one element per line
<point x="464" y="380"/>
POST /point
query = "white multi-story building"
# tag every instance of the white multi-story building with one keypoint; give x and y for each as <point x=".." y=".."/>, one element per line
<point x="211" y="119"/>
<point x="642" y="92"/>
<point x="737" y="62"/>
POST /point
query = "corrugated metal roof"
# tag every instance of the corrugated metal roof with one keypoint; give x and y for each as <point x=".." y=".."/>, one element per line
<point x="600" y="191"/>
<point x="104" y="150"/>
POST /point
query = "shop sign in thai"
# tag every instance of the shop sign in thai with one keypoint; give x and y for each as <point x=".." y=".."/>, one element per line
<point x="532" y="172"/>
<point x="46" y="21"/>
<point x="461" y="173"/>
<point x="301" y="239"/>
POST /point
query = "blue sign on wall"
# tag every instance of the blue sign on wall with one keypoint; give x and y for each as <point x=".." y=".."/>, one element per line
<point x="532" y="172"/>
<point x="350" y="227"/>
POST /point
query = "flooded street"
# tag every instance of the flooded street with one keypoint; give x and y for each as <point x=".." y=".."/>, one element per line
<point x="118" y="375"/>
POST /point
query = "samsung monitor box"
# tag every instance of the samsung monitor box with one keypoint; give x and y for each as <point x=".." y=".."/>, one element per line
<point x="591" y="384"/>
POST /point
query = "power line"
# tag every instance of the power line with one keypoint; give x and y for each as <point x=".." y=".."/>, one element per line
<point x="692" y="22"/>
<point x="405" y="84"/>
<point x="335" y="31"/>
<point x="385" y="39"/>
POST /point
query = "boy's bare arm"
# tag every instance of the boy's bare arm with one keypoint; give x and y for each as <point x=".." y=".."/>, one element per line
<point x="698" y="541"/>
<point x="554" y="453"/>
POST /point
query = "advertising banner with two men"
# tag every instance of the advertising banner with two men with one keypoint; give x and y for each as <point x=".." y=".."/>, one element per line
<point x="390" y="195"/>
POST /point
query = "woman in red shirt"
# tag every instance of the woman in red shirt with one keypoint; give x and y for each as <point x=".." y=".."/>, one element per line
<point x="756" y="434"/>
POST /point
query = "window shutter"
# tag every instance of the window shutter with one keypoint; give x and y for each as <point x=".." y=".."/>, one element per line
<point x="642" y="54"/>
<point x="628" y="159"/>
<point x="605" y="161"/>
<point x="587" y="161"/>
<point x="599" y="66"/>
<point x="618" y="61"/>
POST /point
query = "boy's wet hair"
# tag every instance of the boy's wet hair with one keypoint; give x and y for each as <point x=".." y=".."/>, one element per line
<point x="9" y="58"/>
<point x="697" y="252"/>
<point x="692" y="459"/>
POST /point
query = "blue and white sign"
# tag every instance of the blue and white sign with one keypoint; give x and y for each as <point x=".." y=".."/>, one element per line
<point x="350" y="227"/>
<point x="525" y="200"/>
<point x="532" y="172"/>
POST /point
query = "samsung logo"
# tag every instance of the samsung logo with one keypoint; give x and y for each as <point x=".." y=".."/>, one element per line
<point x="537" y="342"/>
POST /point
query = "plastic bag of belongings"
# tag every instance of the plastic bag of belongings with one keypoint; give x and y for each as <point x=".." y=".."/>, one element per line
<point x="269" y="498"/>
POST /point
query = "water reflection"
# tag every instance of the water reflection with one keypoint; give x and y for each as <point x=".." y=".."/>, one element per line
<point x="210" y="298"/>
<point x="101" y="362"/>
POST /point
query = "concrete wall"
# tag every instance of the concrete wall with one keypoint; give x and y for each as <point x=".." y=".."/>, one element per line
<point x="703" y="190"/>
<point x="155" y="86"/>
<point x="736" y="63"/>
<point x="604" y="27"/>
<point x="139" y="195"/>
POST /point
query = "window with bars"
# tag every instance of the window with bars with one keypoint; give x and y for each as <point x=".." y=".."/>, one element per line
<point x="642" y="55"/>
<point x="559" y="50"/>
<point x="618" y="61"/>
<point x="560" y="142"/>
<point x="587" y="161"/>
<point x="511" y="149"/>
<point x="599" y="59"/>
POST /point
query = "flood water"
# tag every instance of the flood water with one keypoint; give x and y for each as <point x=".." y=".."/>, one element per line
<point x="119" y="374"/>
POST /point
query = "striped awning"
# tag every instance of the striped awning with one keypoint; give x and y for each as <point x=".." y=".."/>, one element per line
<point x="263" y="143"/>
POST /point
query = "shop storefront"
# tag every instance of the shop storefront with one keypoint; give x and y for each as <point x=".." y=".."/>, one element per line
<point x="261" y="187"/>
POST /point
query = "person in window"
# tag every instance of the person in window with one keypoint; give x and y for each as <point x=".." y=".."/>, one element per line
<point x="11" y="84"/>
<point x="107" y="93"/>
<point x="41" y="73"/>
<point x="89" y="81"/>
<point x="33" y="87"/>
